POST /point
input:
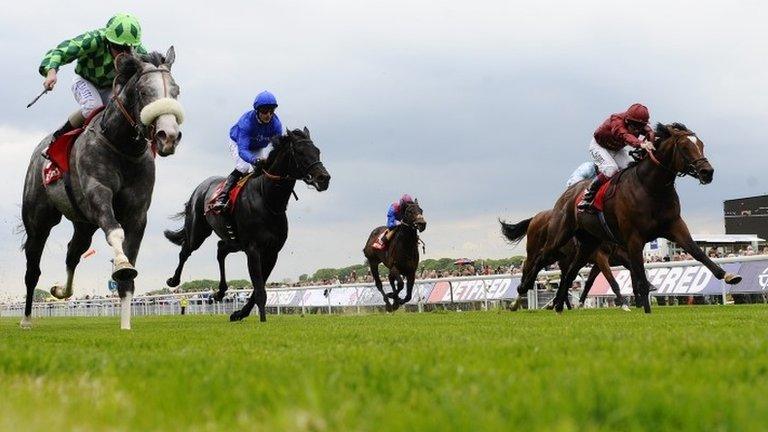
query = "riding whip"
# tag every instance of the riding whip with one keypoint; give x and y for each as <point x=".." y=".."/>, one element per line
<point x="36" y="98"/>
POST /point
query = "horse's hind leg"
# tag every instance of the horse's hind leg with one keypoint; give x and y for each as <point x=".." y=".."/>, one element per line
<point x="38" y="221"/>
<point x="81" y="241"/>
<point x="587" y="284"/>
<point x="33" y="250"/>
<point x="221" y="256"/>
<point x="196" y="232"/>
<point x="374" y="265"/>
<point x="586" y="248"/>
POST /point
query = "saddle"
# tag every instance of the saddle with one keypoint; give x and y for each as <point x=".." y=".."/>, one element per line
<point x="58" y="152"/>
<point x="607" y="191"/>
<point x="234" y="194"/>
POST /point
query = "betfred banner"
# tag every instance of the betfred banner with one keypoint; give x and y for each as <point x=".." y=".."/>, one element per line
<point x="691" y="280"/>
<point x="474" y="290"/>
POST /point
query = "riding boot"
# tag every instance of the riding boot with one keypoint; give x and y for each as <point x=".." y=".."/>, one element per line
<point x="74" y="121"/>
<point x="589" y="196"/>
<point x="381" y="241"/>
<point x="223" y="199"/>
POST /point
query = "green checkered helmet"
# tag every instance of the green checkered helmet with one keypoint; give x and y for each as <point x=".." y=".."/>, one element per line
<point x="123" y="29"/>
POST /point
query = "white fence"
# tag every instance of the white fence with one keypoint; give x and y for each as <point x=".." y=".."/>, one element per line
<point x="683" y="278"/>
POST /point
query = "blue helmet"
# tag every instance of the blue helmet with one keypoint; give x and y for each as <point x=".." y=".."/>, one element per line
<point x="264" y="98"/>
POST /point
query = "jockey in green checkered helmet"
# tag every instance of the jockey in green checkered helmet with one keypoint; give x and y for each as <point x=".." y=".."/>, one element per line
<point x="95" y="52"/>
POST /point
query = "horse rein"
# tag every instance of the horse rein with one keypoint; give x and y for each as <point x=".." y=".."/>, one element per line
<point x="305" y="177"/>
<point x="690" y="167"/>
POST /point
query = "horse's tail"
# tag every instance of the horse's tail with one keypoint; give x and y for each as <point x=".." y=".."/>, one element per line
<point x="177" y="237"/>
<point x="515" y="232"/>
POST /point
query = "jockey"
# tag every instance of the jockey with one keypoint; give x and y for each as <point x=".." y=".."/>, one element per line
<point x="394" y="219"/>
<point x="251" y="136"/>
<point x="609" y="146"/>
<point x="95" y="52"/>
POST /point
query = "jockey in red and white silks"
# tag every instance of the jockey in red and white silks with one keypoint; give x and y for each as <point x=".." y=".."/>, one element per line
<point x="611" y="143"/>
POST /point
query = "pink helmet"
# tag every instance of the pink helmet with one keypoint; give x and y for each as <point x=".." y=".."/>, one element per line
<point x="406" y="198"/>
<point x="637" y="113"/>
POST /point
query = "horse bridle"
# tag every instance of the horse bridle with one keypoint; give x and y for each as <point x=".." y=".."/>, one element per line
<point x="690" y="166"/>
<point x="306" y="170"/>
<point x="137" y="126"/>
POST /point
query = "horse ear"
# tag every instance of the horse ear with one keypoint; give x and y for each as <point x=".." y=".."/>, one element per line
<point x="170" y="57"/>
<point x="127" y="64"/>
<point x="306" y="131"/>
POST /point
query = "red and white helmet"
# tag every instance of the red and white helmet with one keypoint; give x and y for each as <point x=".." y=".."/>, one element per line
<point x="638" y="113"/>
<point x="406" y="199"/>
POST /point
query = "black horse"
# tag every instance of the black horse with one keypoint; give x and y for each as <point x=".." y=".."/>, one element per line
<point x="112" y="174"/>
<point x="401" y="256"/>
<point x="258" y="226"/>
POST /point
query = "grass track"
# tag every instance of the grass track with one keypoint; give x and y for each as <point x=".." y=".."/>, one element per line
<point x="699" y="368"/>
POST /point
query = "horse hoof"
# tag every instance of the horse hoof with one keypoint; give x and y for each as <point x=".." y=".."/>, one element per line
<point x="60" y="292"/>
<point x="388" y="307"/>
<point x="124" y="272"/>
<point x="515" y="306"/>
<point x="217" y="297"/>
<point x="26" y="323"/>
<point x="732" y="279"/>
<point x="236" y="316"/>
<point x="172" y="282"/>
<point x="625" y="308"/>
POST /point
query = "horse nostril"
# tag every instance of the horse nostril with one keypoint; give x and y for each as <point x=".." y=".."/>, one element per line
<point x="178" y="137"/>
<point x="161" y="135"/>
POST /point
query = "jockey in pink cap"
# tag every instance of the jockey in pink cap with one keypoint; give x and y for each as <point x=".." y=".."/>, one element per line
<point x="394" y="218"/>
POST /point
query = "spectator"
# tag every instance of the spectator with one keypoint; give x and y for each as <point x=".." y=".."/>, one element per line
<point x="184" y="303"/>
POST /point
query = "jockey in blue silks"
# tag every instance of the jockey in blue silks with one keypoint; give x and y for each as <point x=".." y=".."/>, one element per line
<point x="394" y="218"/>
<point x="250" y="146"/>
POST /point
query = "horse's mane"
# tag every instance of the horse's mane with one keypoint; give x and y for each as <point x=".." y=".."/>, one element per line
<point x="662" y="131"/>
<point x="280" y="142"/>
<point x="154" y="57"/>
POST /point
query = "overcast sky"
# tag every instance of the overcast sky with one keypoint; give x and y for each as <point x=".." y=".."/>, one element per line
<point x="480" y="109"/>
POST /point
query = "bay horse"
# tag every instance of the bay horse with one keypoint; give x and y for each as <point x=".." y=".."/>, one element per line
<point x="401" y="256"/>
<point x="258" y="221"/>
<point x="111" y="177"/>
<point x="536" y="229"/>
<point x="644" y="206"/>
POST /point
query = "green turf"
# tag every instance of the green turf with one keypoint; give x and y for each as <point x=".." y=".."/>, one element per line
<point x="697" y="368"/>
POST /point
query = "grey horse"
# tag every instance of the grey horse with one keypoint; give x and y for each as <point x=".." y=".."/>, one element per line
<point x="258" y="226"/>
<point x="112" y="174"/>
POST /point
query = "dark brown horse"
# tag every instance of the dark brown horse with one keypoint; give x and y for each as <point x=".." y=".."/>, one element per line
<point x="536" y="229"/>
<point x="401" y="256"/>
<point x="643" y="207"/>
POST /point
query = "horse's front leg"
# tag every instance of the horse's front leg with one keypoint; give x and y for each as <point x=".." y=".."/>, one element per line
<point x="259" y="294"/>
<point x="586" y="248"/>
<point x="410" y="278"/>
<point x="679" y="234"/>
<point x="100" y="199"/>
<point x="134" y="234"/>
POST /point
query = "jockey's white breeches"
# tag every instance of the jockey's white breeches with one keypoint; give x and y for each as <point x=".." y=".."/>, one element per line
<point x="88" y="96"/>
<point x="609" y="162"/>
<point x="242" y="165"/>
